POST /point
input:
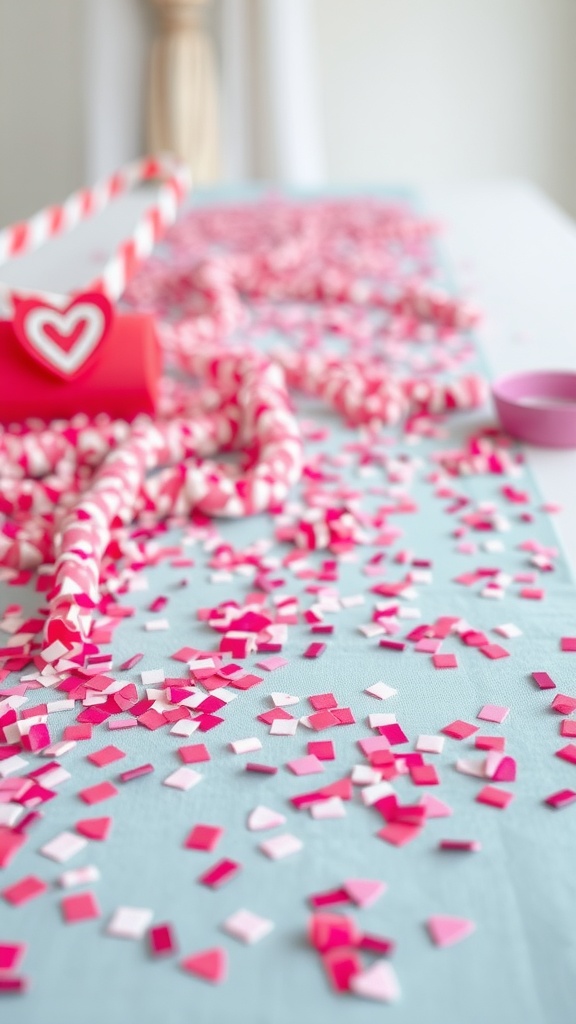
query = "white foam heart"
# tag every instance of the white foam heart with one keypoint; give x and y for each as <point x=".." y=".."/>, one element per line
<point x="262" y="818"/>
<point x="41" y="317"/>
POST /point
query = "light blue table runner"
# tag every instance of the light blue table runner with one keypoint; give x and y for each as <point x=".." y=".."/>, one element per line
<point x="519" y="967"/>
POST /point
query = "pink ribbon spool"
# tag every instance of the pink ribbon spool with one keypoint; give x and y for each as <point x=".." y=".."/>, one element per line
<point x="538" y="406"/>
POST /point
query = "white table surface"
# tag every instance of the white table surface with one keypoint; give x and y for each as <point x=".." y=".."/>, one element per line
<point x="509" y="247"/>
<point x="515" y="251"/>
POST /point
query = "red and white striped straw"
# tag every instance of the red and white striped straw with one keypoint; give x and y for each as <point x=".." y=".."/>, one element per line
<point x="26" y="236"/>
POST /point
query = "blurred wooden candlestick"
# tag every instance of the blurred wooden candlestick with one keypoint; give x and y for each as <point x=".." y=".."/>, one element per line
<point x="183" y="105"/>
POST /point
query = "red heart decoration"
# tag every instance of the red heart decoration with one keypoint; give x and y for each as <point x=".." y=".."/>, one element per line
<point x="63" y="340"/>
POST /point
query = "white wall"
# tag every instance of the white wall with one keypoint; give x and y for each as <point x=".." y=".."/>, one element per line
<point x="117" y="36"/>
<point x="72" y="95"/>
<point x="409" y="89"/>
<point x="41" y="104"/>
<point x="449" y="89"/>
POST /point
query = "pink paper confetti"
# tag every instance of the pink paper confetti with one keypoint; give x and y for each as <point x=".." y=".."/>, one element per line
<point x="204" y="837"/>
<point x="221" y="873"/>
<point x="561" y="799"/>
<point x="79" y="907"/>
<point x="543" y="680"/>
<point x="494" y="797"/>
<point x="446" y="931"/>
<point x="495" y="713"/>
<point x="307" y="765"/>
<point x="162" y="941"/>
<point x="247" y="926"/>
<point x="210" y="965"/>
<point x="459" y="730"/>
<point x="96" y="794"/>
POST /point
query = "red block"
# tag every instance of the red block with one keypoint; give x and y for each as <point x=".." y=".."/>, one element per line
<point x="122" y="379"/>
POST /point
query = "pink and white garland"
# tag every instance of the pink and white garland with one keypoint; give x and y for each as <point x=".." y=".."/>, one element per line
<point x="69" y="490"/>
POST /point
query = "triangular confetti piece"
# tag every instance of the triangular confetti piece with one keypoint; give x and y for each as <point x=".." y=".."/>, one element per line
<point x="210" y="964"/>
<point x="445" y="931"/>
<point x="94" y="828"/>
<point x="262" y="817"/>
<point x="283" y="700"/>
<point x="364" y="891"/>
<point x="378" y="982"/>
<point x="436" y="808"/>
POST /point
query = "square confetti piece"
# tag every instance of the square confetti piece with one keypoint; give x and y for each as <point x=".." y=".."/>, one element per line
<point x="459" y="730"/>
<point x="430" y="744"/>
<point x="494" y="651"/>
<point x="567" y="753"/>
<point x="562" y="798"/>
<point x="78" y="732"/>
<point x="26" y="889"/>
<point x="323" y="810"/>
<point x="221" y="873"/>
<point x="381" y="690"/>
<point x="494" y="797"/>
<point x="108" y="755"/>
<point x="563" y="704"/>
<point x="183" y="778"/>
<point x="79" y="876"/>
<point x="424" y="775"/>
<point x="568" y="643"/>
<point x="445" y="661"/>
<point x="271" y="664"/>
<point x="393" y="733"/>
<point x="79" y="907"/>
<point x="11" y="954"/>
<point x="247" y="926"/>
<point x="97" y="794"/>
<point x="568" y="727"/>
<point x="321" y="720"/>
<point x="203" y="837"/>
<point x="130" y="922"/>
<point x="321" y="701"/>
<point x="543" y="680"/>
<point x="398" y="834"/>
<point x="489" y="742"/>
<point x="284" y="727"/>
<point x="307" y="765"/>
<point x="495" y="713"/>
<point x="322" y="749"/>
<point x="194" y="754"/>
<point x="508" y="630"/>
<point x="63" y="847"/>
<point x="161" y="940"/>
<point x="246" y="746"/>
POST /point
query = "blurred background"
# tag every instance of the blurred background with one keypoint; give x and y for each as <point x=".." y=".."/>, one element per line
<point x="297" y="92"/>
